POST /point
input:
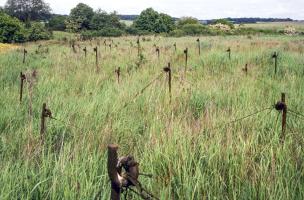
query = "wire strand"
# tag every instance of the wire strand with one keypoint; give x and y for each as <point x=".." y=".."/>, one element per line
<point x="296" y="113"/>
<point x="140" y="92"/>
<point x="242" y="118"/>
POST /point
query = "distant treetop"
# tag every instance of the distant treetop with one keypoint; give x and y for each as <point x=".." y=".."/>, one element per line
<point x="28" y="10"/>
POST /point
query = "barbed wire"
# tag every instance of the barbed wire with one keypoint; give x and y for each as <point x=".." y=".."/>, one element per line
<point x="241" y="118"/>
<point x="299" y="115"/>
<point x="140" y="92"/>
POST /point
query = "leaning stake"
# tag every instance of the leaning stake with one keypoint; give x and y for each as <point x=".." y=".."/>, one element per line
<point x="284" y="116"/>
<point x="186" y="59"/>
<point x="24" y="54"/>
<point x="22" y="78"/>
<point x="199" y="46"/>
<point x="168" y="70"/>
<point x="275" y="57"/>
<point x="112" y="172"/>
<point x="96" y="54"/>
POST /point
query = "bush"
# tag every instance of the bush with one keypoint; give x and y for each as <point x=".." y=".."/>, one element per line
<point x="11" y="29"/>
<point x="187" y="20"/>
<point x="177" y="33"/>
<point x="39" y="32"/>
<point x="195" y="29"/>
<point x="57" y="23"/>
<point x="132" y="30"/>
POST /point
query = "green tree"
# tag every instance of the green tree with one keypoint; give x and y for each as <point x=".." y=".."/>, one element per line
<point x="102" y="20"/>
<point x="164" y="23"/>
<point x="38" y="32"/>
<point x="187" y="20"/>
<point x="11" y="29"/>
<point x="57" y="23"/>
<point x="28" y="10"/>
<point x="151" y="21"/>
<point x="82" y="14"/>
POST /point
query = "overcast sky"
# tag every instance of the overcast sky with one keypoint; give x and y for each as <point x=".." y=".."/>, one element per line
<point x="202" y="9"/>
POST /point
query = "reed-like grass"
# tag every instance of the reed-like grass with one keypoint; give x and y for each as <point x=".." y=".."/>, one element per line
<point x="175" y="141"/>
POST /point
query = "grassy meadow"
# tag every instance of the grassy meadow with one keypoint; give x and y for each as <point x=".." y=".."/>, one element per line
<point x="185" y="143"/>
<point x="299" y="26"/>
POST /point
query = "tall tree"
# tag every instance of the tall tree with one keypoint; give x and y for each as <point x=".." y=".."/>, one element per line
<point x="151" y="21"/>
<point x="82" y="14"/>
<point x="28" y="10"/>
<point x="102" y="20"/>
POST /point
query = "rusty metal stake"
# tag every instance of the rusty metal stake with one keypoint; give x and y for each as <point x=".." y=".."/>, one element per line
<point x="22" y="78"/>
<point x="229" y="53"/>
<point x="24" y="54"/>
<point x="118" y="74"/>
<point x="44" y="114"/>
<point x="157" y="52"/>
<point x="199" y="46"/>
<point x="85" y="52"/>
<point x="105" y="44"/>
<point x="174" y="46"/>
<point x="168" y="70"/>
<point x="42" y="124"/>
<point x="113" y="173"/>
<point x="96" y="54"/>
<point x="284" y="116"/>
<point x="186" y="59"/>
<point x="246" y="69"/>
<point x="275" y="57"/>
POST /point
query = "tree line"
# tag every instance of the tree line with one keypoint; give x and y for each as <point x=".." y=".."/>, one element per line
<point x="28" y="20"/>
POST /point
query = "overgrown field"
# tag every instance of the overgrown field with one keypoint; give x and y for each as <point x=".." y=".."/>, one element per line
<point x="188" y="143"/>
<point x="299" y="26"/>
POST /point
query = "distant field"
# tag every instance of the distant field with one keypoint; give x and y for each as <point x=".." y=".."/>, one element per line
<point x="277" y="25"/>
<point x="127" y="22"/>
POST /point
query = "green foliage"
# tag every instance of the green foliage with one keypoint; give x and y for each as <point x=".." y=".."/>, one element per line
<point x="73" y="26"/>
<point x="103" y="20"/>
<point x="57" y="23"/>
<point x="11" y="29"/>
<point x="225" y="22"/>
<point x="177" y="33"/>
<point x="81" y="17"/>
<point x="151" y="21"/>
<point x="195" y="29"/>
<point x="187" y="20"/>
<point x="132" y="30"/>
<point x="28" y="10"/>
<point x="39" y="32"/>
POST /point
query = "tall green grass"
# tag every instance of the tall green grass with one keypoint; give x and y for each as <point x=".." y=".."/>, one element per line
<point x="176" y="142"/>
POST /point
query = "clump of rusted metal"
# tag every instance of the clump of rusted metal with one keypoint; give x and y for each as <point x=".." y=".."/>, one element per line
<point x="280" y="106"/>
<point x="166" y="69"/>
<point x="128" y="170"/>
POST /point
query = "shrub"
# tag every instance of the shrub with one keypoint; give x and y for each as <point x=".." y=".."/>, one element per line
<point x="57" y="23"/>
<point x="187" y="20"/>
<point x="39" y="32"/>
<point x="132" y="30"/>
<point x="11" y="29"/>
<point x="194" y="29"/>
<point x="177" y="33"/>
